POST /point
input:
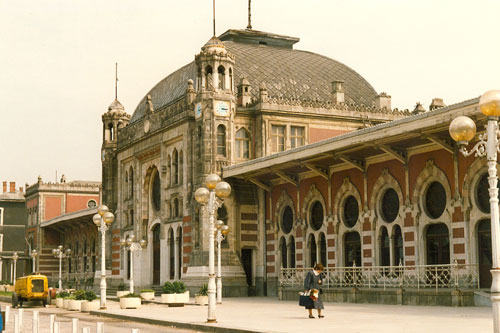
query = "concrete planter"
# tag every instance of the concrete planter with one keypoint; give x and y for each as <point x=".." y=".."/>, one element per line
<point x="148" y="296"/>
<point x="182" y="298"/>
<point x="168" y="298"/>
<point x="90" y="306"/>
<point x="130" y="303"/>
<point x="122" y="293"/>
<point x="66" y="303"/>
<point x="175" y="299"/>
<point x="75" y="305"/>
<point x="201" y="299"/>
<point x="59" y="302"/>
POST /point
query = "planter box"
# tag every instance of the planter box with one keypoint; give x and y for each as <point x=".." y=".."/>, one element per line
<point x="168" y="298"/>
<point x="66" y="303"/>
<point x="122" y="293"/>
<point x="201" y="300"/>
<point x="75" y="305"/>
<point x="148" y="296"/>
<point x="130" y="303"/>
<point x="182" y="298"/>
<point x="59" y="302"/>
<point x="175" y="299"/>
<point x="90" y="306"/>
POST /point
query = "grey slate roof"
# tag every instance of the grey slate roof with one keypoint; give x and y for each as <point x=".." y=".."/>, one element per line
<point x="288" y="74"/>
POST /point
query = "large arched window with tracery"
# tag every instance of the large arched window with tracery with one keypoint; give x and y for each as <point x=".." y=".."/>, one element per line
<point x="156" y="192"/>
<point x="221" y="140"/>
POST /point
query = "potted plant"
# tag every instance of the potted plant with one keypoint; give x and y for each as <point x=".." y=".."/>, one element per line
<point x="121" y="290"/>
<point x="60" y="298"/>
<point x="201" y="298"/>
<point x="66" y="301"/>
<point x="91" y="303"/>
<point x="130" y="301"/>
<point x="75" y="304"/>
<point x="168" y="295"/>
<point x="181" y="294"/>
<point x="148" y="294"/>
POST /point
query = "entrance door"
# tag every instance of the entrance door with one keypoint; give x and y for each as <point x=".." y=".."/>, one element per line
<point x="438" y="245"/>
<point x="156" y="255"/>
<point x="484" y="253"/>
<point x="246" y="258"/>
<point x="352" y="249"/>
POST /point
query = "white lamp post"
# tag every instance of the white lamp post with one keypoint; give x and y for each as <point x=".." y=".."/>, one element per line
<point x="14" y="259"/>
<point x="208" y="198"/>
<point x="220" y="234"/>
<point x="102" y="220"/>
<point x="34" y="254"/>
<point x="463" y="129"/>
<point x="129" y="245"/>
<point x="59" y="253"/>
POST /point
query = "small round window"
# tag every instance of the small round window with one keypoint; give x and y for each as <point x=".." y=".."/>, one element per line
<point x="390" y="205"/>
<point x="435" y="200"/>
<point x="287" y="220"/>
<point x="91" y="204"/>
<point x="351" y="211"/>
<point x="482" y="194"/>
<point x="317" y="215"/>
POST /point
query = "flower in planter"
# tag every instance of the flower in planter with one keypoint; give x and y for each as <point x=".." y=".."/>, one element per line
<point x="62" y="294"/>
<point x="203" y="290"/>
<point x="132" y="295"/>
<point x="90" y="295"/>
<point x="79" y="295"/>
<point x="147" y="291"/>
<point x="168" y="288"/>
<point x="179" y="287"/>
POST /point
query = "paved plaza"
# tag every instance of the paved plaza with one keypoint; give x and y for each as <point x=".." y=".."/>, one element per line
<point x="262" y="314"/>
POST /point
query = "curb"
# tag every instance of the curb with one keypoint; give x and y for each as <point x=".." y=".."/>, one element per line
<point x="176" y="324"/>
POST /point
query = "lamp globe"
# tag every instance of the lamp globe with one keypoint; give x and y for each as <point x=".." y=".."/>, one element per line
<point x="212" y="181"/>
<point x="103" y="209"/>
<point x="97" y="219"/>
<point x="489" y="103"/>
<point x="143" y="243"/>
<point x="462" y="129"/>
<point x="108" y="217"/>
<point x="202" y="195"/>
<point x="223" y="190"/>
<point x="219" y="224"/>
<point x="225" y="230"/>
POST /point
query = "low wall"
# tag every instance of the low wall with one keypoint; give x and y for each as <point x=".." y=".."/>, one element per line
<point x="442" y="297"/>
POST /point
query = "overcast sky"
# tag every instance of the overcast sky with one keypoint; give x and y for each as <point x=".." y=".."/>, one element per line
<point x="57" y="60"/>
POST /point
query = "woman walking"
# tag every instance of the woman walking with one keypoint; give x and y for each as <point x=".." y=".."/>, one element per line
<point x="312" y="284"/>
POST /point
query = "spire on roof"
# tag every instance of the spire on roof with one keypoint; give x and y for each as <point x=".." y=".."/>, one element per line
<point x="249" y="26"/>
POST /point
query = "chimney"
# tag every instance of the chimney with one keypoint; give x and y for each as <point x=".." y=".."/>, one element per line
<point x="436" y="104"/>
<point x="4" y="187"/>
<point x="263" y="92"/>
<point x="21" y="189"/>
<point x="338" y="92"/>
<point x="383" y="101"/>
<point x="244" y="95"/>
<point x="418" y="108"/>
<point x="12" y="187"/>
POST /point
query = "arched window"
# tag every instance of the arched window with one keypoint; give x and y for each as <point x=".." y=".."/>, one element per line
<point x="85" y="255"/>
<point x="351" y="211"/>
<point x="221" y="140"/>
<point x="230" y="78"/>
<point x="222" y="77"/>
<point x="208" y="77"/>
<point x="169" y="171"/>
<point x="352" y="249"/>
<point x="132" y="217"/>
<point x="111" y="132"/>
<point x="292" y="252"/>
<point x="181" y="163"/>
<point x="176" y="207"/>
<point x="171" y="246"/>
<point x="482" y="194"/>
<point x="385" y="255"/>
<point x="438" y="244"/>
<point x="198" y="80"/>
<point x="398" y="246"/>
<point x="313" y="251"/>
<point x="390" y="205"/>
<point x="175" y="167"/>
<point x="92" y="250"/>
<point x="322" y="248"/>
<point x="284" y="255"/>
<point x="131" y="183"/>
<point x="242" y="148"/>
<point x="435" y="200"/>
<point x="156" y="192"/>
<point x="125" y="186"/>
<point x="179" y="251"/>
<point x="317" y="215"/>
<point x="287" y="220"/>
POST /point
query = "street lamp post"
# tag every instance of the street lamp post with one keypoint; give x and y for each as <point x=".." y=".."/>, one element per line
<point x="103" y="220"/>
<point x="220" y="234"/>
<point x="34" y="254"/>
<point x="129" y="245"/>
<point x="14" y="259"/>
<point x="60" y="254"/>
<point x="208" y="199"/>
<point x="463" y="129"/>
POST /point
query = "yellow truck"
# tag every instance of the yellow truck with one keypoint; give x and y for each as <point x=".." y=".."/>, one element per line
<point x="30" y="288"/>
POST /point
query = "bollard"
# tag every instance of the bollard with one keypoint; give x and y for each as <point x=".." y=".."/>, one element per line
<point x="100" y="327"/>
<point x="86" y="330"/>
<point x="20" y="312"/>
<point x="16" y="324"/>
<point x="57" y="327"/>
<point x="36" y="325"/>
<point x="51" y="323"/>
<point x="75" y="325"/>
<point x="7" y="314"/>
<point x="135" y="330"/>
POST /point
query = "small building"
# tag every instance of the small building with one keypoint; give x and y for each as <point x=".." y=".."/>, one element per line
<point x="13" y="220"/>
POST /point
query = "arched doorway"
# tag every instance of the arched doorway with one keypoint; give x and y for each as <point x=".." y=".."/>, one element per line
<point x="179" y="251"/>
<point x="398" y="246"/>
<point x="438" y="244"/>
<point x="171" y="245"/>
<point x="352" y="249"/>
<point x="156" y="254"/>
<point x="484" y="252"/>
<point x="284" y="254"/>
<point x="385" y="252"/>
<point x="322" y="248"/>
<point x="313" y="250"/>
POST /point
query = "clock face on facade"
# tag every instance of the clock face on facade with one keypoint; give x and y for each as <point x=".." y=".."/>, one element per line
<point x="197" y="110"/>
<point x="222" y="108"/>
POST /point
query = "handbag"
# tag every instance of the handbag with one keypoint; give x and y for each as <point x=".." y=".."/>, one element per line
<point x="305" y="300"/>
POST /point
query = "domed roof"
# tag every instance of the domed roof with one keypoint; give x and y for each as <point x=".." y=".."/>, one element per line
<point x="288" y="74"/>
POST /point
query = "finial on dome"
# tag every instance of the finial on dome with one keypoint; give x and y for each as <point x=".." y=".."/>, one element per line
<point x="150" y="105"/>
<point x="249" y="26"/>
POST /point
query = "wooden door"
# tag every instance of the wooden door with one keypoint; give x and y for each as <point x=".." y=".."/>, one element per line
<point x="156" y="255"/>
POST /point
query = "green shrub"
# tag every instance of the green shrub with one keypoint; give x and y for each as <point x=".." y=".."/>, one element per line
<point x="132" y="295"/>
<point x="168" y="288"/>
<point x="90" y="295"/>
<point x="62" y="294"/>
<point x="203" y="290"/>
<point x="179" y="287"/>
<point x="79" y="295"/>
<point x="147" y="291"/>
<point x="121" y="287"/>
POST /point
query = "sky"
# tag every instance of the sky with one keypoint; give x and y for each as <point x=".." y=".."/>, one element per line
<point x="57" y="60"/>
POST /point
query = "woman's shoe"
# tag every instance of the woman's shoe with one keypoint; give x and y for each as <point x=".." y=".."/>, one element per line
<point x="320" y="316"/>
<point x="311" y="316"/>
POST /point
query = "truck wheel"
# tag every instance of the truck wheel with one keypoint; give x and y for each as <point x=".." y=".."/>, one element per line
<point x="15" y="300"/>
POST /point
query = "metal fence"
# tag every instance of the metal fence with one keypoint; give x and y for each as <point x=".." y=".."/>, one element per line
<point x="455" y="275"/>
<point x="74" y="280"/>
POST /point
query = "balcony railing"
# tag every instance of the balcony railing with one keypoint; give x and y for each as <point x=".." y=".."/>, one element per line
<point x="75" y="280"/>
<point x="455" y="275"/>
